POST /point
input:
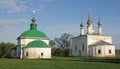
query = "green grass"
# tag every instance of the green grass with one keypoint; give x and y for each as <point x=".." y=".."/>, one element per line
<point x="61" y="63"/>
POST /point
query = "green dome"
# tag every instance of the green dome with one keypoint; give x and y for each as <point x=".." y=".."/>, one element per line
<point x="33" y="33"/>
<point x="37" y="43"/>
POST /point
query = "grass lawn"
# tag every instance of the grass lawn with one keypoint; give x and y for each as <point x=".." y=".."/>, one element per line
<point x="61" y="63"/>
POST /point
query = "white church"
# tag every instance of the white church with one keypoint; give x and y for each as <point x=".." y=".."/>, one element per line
<point x="92" y="44"/>
<point x="32" y="44"/>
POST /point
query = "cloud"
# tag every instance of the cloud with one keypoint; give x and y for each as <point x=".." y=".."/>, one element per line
<point x="13" y="31"/>
<point x="12" y="5"/>
<point x="40" y="7"/>
<point x="5" y="22"/>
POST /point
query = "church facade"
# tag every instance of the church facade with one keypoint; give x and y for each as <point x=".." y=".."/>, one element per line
<point x="32" y="44"/>
<point x="92" y="44"/>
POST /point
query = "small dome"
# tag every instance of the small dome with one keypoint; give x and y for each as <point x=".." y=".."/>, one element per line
<point x="37" y="43"/>
<point x="33" y="19"/>
<point x="81" y="25"/>
<point x="89" y="21"/>
<point x="33" y="33"/>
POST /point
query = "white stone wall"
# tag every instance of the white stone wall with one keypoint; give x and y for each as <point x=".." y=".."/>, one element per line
<point x="104" y="51"/>
<point x="75" y="42"/>
<point x="82" y="31"/>
<point x="99" y="30"/>
<point x="89" y="50"/>
<point x="26" y="41"/>
<point x="95" y="38"/>
<point x="90" y="29"/>
<point x="34" y="53"/>
<point x="77" y="46"/>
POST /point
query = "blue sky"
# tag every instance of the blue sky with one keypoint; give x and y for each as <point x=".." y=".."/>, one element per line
<point x="55" y="17"/>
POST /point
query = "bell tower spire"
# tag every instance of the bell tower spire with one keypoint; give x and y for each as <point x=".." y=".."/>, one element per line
<point x="33" y="25"/>
<point x="99" y="27"/>
<point x="82" y="27"/>
<point x="90" y="27"/>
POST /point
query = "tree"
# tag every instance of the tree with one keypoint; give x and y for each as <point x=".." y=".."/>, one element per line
<point x="5" y="49"/>
<point x="52" y="43"/>
<point x="64" y="43"/>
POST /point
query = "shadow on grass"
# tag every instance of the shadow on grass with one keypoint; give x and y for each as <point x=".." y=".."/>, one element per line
<point x="102" y="60"/>
<point x="89" y="59"/>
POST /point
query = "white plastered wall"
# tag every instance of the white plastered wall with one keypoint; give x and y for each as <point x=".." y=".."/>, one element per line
<point x="104" y="51"/>
<point x="34" y="53"/>
<point x="26" y="41"/>
<point x="79" y="42"/>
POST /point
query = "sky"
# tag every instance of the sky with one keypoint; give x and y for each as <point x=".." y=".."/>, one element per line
<point x="55" y="17"/>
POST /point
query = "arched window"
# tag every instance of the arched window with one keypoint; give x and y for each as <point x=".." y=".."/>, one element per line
<point x="99" y="51"/>
<point x="109" y="51"/>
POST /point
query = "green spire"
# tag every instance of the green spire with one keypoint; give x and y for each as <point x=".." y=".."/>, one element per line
<point x="33" y="25"/>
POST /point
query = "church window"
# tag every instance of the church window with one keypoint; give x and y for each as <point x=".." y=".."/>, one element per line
<point x="109" y="51"/>
<point x="26" y="52"/>
<point x="42" y="54"/>
<point x="99" y="51"/>
<point x="83" y="47"/>
<point x="76" y="48"/>
<point x="79" y="53"/>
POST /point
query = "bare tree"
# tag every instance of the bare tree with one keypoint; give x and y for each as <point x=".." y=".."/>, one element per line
<point x="64" y="43"/>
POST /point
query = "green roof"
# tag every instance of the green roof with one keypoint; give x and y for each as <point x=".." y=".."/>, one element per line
<point x="37" y="43"/>
<point x="33" y="33"/>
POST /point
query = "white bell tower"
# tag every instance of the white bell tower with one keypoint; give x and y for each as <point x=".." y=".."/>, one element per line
<point x="82" y="27"/>
<point x="99" y="27"/>
<point x="90" y="27"/>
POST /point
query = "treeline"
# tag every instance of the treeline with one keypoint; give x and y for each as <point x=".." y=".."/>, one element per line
<point x="5" y="49"/>
<point x="61" y="46"/>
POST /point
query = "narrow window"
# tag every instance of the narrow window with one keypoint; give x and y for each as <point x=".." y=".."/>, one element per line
<point x="83" y="47"/>
<point x="26" y="52"/>
<point x="99" y="51"/>
<point x="76" y="48"/>
<point x="109" y="51"/>
<point x="42" y="54"/>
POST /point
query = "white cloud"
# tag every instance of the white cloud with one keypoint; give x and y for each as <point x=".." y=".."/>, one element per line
<point x="40" y="7"/>
<point x="13" y="31"/>
<point x="4" y="22"/>
<point x="12" y="5"/>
